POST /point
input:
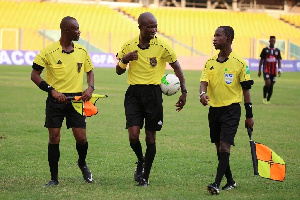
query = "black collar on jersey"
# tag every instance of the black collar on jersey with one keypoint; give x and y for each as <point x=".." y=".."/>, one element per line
<point x="150" y="43"/>
<point x="222" y="61"/>
<point x="63" y="51"/>
<point x="147" y="47"/>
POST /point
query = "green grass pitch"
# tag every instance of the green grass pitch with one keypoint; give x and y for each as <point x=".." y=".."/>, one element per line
<point x="185" y="162"/>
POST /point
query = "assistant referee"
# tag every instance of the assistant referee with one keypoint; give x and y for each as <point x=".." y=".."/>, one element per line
<point x="65" y="63"/>
<point x="224" y="79"/>
<point x="146" y="56"/>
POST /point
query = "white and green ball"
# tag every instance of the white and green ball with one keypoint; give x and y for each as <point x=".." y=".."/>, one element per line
<point x="170" y="84"/>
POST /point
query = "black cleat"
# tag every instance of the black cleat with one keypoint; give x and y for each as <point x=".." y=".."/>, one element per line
<point x="86" y="173"/>
<point x="52" y="183"/>
<point x="143" y="182"/>
<point x="229" y="186"/>
<point x="139" y="170"/>
<point x="213" y="188"/>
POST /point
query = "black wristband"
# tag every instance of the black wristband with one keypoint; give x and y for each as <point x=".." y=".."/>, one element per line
<point x="45" y="87"/>
<point x="248" y="107"/>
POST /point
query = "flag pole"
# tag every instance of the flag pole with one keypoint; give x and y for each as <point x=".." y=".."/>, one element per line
<point x="253" y="151"/>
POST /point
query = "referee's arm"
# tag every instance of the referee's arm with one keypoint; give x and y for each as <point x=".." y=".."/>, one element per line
<point x="249" y="122"/>
<point x="36" y="76"/>
<point x="202" y="93"/>
<point x="119" y="70"/>
<point x="43" y="85"/>
<point x="178" y="71"/>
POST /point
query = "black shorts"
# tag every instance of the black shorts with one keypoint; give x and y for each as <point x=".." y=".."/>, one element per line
<point x="144" y="102"/>
<point x="56" y="112"/>
<point x="223" y="122"/>
<point x="272" y="77"/>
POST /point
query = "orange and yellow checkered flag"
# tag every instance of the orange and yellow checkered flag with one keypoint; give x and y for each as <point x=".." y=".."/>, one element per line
<point x="87" y="108"/>
<point x="266" y="163"/>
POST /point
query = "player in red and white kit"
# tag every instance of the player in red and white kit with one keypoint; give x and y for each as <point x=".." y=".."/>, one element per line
<point x="269" y="58"/>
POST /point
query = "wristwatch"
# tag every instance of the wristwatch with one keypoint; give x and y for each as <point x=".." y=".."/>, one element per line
<point x="184" y="91"/>
<point x="92" y="87"/>
<point x="202" y="93"/>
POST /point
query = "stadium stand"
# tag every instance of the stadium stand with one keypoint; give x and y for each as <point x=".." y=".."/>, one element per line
<point x="201" y="24"/>
<point x="97" y="23"/>
<point x="104" y="29"/>
<point x="291" y="19"/>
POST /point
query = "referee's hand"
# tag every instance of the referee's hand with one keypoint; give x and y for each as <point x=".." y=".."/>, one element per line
<point x="249" y="122"/>
<point x="87" y="94"/>
<point x="131" y="56"/>
<point x="61" y="98"/>
<point x="181" y="102"/>
<point x="204" y="99"/>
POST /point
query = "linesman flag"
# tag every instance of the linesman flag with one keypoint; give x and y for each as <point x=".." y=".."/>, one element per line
<point x="266" y="163"/>
<point x="87" y="108"/>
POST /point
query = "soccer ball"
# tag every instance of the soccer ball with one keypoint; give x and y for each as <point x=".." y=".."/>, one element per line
<point x="170" y="84"/>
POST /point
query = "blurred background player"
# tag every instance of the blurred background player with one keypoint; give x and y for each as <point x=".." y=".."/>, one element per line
<point x="269" y="58"/>
<point x="65" y="63"/>
<point x="146" y="56"/>
<point x="224" y="79"/>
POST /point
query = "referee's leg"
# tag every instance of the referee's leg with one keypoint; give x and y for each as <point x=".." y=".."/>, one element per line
<point x="82" y="148"/>
<point x="150" y="153"/>
<point x="53" y="155"/>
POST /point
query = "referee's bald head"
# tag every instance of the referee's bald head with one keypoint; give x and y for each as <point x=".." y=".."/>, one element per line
<point x="145" y="17"/>
<point x="65" y="22"/>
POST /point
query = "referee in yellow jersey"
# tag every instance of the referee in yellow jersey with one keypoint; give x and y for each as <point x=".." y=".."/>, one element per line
<point x="225" y="78"/>
<point x="146" y="55"/>
<point x="65" y="63"/>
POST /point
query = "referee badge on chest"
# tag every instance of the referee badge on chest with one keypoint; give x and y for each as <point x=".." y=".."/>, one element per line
<point x="153" y="61"/>
<point x="228" y="78"/>
<point x="79" y="65"/>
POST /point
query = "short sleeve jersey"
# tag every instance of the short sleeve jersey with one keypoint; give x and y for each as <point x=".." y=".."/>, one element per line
<point x="64" y="71"/>
<point x="150" y="66"/>
<point x="270" y="56"/>
<point x="224" y="79"/>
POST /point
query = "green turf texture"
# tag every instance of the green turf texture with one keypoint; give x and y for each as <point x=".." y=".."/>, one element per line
<point x="185" y="162"/>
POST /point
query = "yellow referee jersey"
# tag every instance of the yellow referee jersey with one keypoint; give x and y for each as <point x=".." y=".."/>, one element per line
<point x="151" y="63"/>
<point x="224" y="79"/>
<point x="64" y="71"/>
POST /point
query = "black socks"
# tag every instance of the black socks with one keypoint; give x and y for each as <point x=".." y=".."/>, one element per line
<point x="82" y="152"/>
<point x="149" y="157"/>
<point x="53" y="158"/>
<point x="222" y="167"/>
<point x="268" y="91"/>
<point x="137" y="148"/>
<point x="54" y="154"/>
<point x="228" y="173"/>
<point x="265" y="91"/>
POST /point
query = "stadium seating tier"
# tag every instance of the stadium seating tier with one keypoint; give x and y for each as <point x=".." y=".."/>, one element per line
<point x="189" y="31"/>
